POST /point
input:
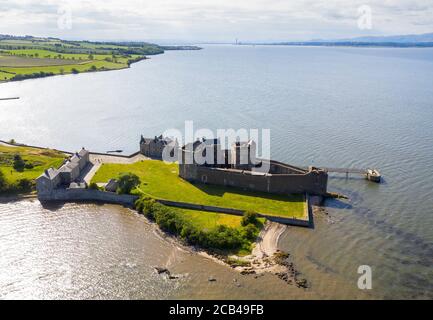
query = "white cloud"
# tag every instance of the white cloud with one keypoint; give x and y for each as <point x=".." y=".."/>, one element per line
<point x="214" y="20"/>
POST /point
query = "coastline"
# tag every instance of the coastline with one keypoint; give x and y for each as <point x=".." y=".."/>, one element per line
<point x="71" y="73"/>
<point x="265" y="257"/>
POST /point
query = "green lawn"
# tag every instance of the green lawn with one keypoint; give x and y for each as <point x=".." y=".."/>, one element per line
<point x="206" y="220"/>
<point x="209" y="220"/>
<point x="161" y="180"/>
<point x="41" y="159"/>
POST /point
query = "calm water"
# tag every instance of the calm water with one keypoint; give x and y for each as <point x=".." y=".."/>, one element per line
<point x="325" y="106"/>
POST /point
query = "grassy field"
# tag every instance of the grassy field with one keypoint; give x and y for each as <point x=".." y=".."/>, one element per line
<point x="22" y="58"/>
<point x="40" y="159"/>
<point x="18" y="61"/>
<point x="160" y="180"/>
<point x="209" y="220"/>
<point x="206" y="220"/>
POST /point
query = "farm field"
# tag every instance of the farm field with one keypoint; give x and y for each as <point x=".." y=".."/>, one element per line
<point x="40" y="57"/>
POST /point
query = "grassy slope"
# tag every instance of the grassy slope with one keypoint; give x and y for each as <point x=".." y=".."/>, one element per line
<point x="161" y="180"/>
<point x="42" y="159"/>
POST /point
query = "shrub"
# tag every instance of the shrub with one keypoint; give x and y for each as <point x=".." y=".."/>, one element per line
<point x="34" y="75"/>
<point x="3" y="182"/>
<point x="145" y="206"/>
<point x="221" y="237"/>
<point x="93" y="186"/>
<point x="127" y="182"/>
<point x="250" y="232"/>
<point x="75" y="71"/>
<point x="249" y="217"/>
<point x="29" y="165"/>
<point x="25" y="185"/>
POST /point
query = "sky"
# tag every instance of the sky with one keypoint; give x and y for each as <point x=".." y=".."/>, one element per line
<point x="194" y="21"/>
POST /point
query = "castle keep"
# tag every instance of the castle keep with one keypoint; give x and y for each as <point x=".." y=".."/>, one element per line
<point x="206" y="162"/>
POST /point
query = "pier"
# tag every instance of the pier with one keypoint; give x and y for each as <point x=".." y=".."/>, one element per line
<point x="12" y="98"/>
<point x="369" y="174"/>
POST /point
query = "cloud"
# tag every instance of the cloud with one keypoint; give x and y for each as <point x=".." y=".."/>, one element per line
<point x="214" y="20"/>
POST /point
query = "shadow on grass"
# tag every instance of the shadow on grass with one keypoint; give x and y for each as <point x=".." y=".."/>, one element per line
<point x="219" y="191"/>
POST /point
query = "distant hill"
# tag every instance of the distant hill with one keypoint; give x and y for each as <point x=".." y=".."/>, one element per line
<point x="410" y="38"/>
<point x="401" y="41"/>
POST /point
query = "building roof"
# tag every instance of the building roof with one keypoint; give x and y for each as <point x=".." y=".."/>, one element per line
<point x="192" y="146"/>
<point x="69" y="166"/>
<point x="83" y="152"/>
<point x="66" y="167"/>
<point x="156" y="139"/>
<point x="49" y="173"/>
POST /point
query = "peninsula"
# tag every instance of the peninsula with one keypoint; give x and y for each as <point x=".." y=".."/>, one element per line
<point x="30" y="57"/>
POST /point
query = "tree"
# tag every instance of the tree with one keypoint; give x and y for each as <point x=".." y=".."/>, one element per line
<point x="249" y="217"/>
<point x="127" y="182"/>
<point x="19" y="163"/>
<point x="74" y="71"/>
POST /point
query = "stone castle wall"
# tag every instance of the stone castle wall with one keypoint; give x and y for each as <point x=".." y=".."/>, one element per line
<point x="88" y="195"/>
<point x="312" y="182"/>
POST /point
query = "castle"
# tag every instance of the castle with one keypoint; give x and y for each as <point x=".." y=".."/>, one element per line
<point x="154" y="147"/>
<point x="67" y="175"/>
<point x="206" y="162"/>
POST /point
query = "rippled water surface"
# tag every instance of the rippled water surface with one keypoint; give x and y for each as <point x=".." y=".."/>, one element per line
<point x="325" y="106"/>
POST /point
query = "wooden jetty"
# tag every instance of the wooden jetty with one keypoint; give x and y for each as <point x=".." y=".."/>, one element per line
<point x="369" y="174"/>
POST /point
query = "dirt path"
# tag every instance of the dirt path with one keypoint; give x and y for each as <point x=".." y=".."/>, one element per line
<point x="268" y="243"/>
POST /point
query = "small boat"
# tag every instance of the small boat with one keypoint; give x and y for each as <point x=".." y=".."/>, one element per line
<point x="373" y="175"/>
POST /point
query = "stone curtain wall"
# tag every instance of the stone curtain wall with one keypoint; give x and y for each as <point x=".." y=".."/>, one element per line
<point x="89" y="195"/>
<point x="310" y="182"/>
<point x="71" y="195"/>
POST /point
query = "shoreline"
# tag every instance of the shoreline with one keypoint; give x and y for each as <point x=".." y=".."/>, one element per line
<point x="265" y="257"/>
<point x="71" y="73"/>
